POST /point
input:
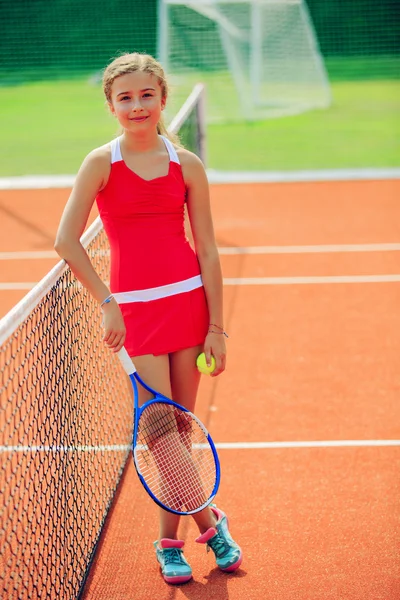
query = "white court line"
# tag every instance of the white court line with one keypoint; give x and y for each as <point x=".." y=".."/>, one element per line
<point x="306" y="444"/>
<point x="37" y="182"/>
<point x="29" y="255"/>
<point x="317" y="249"/>
<point x="219" y="446"/>
<point x="29" y="182"/>
<point x="231" y="250"/>
<point x="263" y="281"/>
<point x="311" y="280"/>
<point x="18" y="285"/>
<point x="369" y="174"/>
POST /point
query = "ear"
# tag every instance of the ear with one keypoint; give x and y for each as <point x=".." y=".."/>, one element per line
<point x="163" y="103"/>
<point x="111" y="108"/>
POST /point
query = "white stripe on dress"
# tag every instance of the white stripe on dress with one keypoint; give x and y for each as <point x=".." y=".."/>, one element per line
<point x="163" y="291"/>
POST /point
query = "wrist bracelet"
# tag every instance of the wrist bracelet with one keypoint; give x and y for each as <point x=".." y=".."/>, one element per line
<point x="219" y="332"/>
<point x="107" y="300"/>
<point x="222" y="332"/>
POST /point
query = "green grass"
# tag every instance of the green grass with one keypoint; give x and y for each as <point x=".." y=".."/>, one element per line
<point x="360" y="129"/>
<point x="48" y="128"/>
<point x="365" y="68"/>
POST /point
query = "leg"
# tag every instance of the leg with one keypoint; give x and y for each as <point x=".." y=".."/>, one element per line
<point x="212" y="522"/>
<point x="185" y="380"/>
<point x="185" y="377"/>
<point x="155" y="371"/>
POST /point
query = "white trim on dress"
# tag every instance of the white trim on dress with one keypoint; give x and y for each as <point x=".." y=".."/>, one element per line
<point x="116" y="155"/>
<point x="163" y="291"/>
<point x="173" y="155"/>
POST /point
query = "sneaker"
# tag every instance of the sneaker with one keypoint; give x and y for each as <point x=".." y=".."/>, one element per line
<point x="227" y="552"/>
<point x="174" y="566"/>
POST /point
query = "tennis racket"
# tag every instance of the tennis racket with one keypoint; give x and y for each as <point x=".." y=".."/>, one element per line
<point x="174" y="455"/>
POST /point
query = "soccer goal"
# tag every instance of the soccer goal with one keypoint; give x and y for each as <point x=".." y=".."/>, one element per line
<point x="258" y="58"/>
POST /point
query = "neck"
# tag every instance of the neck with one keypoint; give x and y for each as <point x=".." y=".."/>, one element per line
<point x="144" y="142"/>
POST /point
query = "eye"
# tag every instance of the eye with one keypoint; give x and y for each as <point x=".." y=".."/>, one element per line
<point x="147" y="95"/>
<point x="125" y="98"/>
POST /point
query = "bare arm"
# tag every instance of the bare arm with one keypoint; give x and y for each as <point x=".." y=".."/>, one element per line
<point x="91" y="178"/>
<point x="199" y="210"/>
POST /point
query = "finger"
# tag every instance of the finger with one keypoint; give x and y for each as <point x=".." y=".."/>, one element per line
<point x="220" y="362"/>
<point x="117" y="340"/>
<point x="207" y="353"/>
<point x="108" y="333"/>
<point x="120" y="338"/>
<point x="120" y="343"/>
<point x="111" y="339"/>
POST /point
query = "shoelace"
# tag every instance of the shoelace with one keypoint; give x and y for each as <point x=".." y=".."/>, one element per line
<point x="219" y="545"/>
<point x="172" y="555"/>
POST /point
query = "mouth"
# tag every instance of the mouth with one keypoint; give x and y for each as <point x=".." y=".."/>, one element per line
<point x="138" y="119"/>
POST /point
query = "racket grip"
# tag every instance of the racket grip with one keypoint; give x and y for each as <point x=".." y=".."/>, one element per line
<point x="126" y="361"/>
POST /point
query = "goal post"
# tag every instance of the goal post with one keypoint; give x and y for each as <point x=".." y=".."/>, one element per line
<point x="257" y="58"/>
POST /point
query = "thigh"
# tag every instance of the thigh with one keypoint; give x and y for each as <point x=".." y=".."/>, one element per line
<point x="155" y="371"/>
<point x="184" y="376"/>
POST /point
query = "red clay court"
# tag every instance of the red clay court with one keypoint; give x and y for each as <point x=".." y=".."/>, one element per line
<point x="307" y="416"/>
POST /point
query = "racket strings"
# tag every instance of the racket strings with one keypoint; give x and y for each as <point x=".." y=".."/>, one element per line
<point x="174" y="457"/>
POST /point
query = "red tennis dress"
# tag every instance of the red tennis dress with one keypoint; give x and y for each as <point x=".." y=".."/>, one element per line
<point x="155" y="273"/>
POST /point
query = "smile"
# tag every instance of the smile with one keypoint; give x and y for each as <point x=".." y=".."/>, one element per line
<point x="138" y="119"/>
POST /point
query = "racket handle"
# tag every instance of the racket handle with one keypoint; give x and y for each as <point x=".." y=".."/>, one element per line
<point x="126" y="361"/>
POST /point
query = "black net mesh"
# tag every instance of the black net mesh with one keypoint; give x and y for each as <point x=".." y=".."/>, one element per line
<point x="65" y="427"/>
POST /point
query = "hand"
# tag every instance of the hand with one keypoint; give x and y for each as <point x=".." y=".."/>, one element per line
<point x="215" y="345"/>
<point x="114" y="326"/>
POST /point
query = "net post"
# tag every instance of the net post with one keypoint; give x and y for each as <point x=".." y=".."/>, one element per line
<point x="256" y="49"/>
<point x="194" y="102"/>
<point x="201" y="114"/>
<point x="319" y="62"/>
<point x="162" y="30"/>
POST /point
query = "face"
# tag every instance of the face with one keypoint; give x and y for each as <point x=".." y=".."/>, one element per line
<point x="136" y="100"/>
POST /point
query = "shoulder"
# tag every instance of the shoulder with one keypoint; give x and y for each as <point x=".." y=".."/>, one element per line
<point x="192" y="167"/>
<point x="97" y="165"/>
<point x="99" y="157"/>
<point x="189" y="159"/>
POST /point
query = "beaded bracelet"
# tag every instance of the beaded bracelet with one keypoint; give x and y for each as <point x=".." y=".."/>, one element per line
<point x="217" y="326"/>
<point x="222" y="332"/>
<point x="107" y="300"/>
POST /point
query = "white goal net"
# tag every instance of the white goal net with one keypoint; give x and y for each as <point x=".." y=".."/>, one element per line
<point x="258" y="58"/>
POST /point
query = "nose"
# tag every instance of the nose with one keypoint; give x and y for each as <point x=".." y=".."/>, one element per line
<point x="136" y="104"/>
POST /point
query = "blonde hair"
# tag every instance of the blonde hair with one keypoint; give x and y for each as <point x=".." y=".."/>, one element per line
<point x="129" y="63"/>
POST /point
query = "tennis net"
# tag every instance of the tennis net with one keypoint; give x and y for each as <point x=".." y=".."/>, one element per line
<point x="65" y="421"/>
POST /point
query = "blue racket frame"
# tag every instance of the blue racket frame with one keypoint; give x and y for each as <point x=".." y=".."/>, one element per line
<point x="130" y="370"/>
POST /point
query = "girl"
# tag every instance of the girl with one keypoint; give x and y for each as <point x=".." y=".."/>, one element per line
<point x="141" y="182"/>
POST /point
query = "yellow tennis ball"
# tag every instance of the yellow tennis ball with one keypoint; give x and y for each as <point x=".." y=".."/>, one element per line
<point x="202" y="364"/>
